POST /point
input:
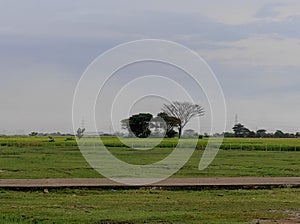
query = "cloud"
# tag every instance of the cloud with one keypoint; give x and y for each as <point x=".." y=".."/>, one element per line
<point x="284" y="10"/>
<point x="268" y="11"/>
<point x="258" y="51"/>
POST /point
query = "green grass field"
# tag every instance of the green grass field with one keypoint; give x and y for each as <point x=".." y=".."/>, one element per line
<point x="37" y="158"/>
<point x="150" y="206"/>
<point x="265" y="144"/>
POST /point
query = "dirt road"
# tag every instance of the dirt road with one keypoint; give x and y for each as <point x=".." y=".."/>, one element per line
<point x="212" y="182"/>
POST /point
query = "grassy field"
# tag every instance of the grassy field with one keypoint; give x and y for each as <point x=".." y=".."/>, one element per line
<point x="265" y="144"/>
<point x="150" y="206"/>
<point x="37" y="158"/>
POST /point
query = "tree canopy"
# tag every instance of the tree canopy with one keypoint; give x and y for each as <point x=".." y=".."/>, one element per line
<point x="169" y="124"/>
<point x="139" y="124"/>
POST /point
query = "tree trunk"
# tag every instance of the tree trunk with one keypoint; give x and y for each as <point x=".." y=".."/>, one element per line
<point x="179" y="131"/>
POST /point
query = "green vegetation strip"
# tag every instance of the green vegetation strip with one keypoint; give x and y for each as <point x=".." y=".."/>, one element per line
<point x="150" y="206"/>
<point x="35" y="157"/>
<point x="67" y="162"/>
<point x="262" y="144"/>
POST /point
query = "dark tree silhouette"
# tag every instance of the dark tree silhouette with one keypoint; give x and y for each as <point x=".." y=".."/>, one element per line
<point x="139" y="124"/>
<point x="80" y="133"/>
<point x="261" y="133"/>
<point x="279" y="134"/>
<point x="240" y="131"/>
<point x="169" y="124"/>
<point x="33" y="133"/>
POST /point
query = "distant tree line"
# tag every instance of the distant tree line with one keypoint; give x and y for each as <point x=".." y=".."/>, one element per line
<point x="54" y="134"/>
<point x="240" y="131"/>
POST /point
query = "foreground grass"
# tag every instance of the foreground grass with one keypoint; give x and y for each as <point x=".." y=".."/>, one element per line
<point x="149" y="206"/>
<point x="43" y="162"/>
<point x="36" y="157"/>
<point x="67" y="162"/>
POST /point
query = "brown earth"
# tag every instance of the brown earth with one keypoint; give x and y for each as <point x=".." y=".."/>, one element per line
<point x="211" y="182"/>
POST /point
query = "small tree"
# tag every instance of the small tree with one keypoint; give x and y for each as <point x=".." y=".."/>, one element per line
<point x="33" y="133"/>
<point x="80" y="133"/>
<point x="183" y="111"/>
<point x="51" y="139"/>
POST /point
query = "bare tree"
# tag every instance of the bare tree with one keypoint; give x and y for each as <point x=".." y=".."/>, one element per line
<point x="80" y="132"/>
<point x="184" y="111"/>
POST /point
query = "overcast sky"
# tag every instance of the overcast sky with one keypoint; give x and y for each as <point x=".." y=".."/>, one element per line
<point x="252" y="46"/>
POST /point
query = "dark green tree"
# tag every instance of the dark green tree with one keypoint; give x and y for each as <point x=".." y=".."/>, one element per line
<point x="240" y="131"/>
<point x="139" y="124"/>
<point x="261" y="133"/>
<point x="169" y="124"/>
<point x="279" y="134"/>
<point x="33" y="133"/>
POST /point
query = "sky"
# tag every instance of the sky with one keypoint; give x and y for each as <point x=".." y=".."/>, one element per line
<point x="252" y="46"/>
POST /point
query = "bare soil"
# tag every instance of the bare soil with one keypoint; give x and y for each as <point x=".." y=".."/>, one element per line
<point x="212" y="182"/>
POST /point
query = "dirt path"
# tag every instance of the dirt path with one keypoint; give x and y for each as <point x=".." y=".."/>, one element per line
<point x="212" y="182"/>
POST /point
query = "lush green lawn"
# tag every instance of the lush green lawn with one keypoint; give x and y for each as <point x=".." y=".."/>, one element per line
<point x="149" y="206"/>
<point x="67" y="162"/>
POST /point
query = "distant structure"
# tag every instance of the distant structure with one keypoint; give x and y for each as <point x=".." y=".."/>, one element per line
<point x="82" y="123"/>
<point x="236" y="121"/>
